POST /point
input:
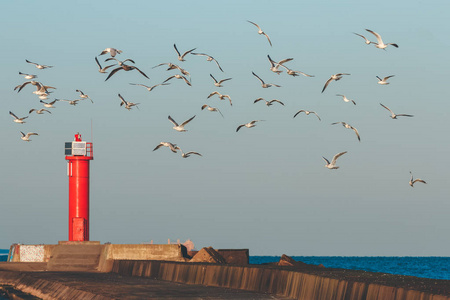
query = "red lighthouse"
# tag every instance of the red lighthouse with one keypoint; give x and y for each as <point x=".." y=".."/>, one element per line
<point x="78" y="155"/>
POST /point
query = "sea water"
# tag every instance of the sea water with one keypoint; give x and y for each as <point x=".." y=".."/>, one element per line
<point x="426" y="267"/>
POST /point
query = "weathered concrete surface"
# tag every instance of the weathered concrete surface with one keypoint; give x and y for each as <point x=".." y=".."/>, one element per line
<point x="102" y="286"/>
<point x="309" y="283"/>
<point x="75" y="257"/>
<point x="208" y="255"/>
<point x="231" y="256"/>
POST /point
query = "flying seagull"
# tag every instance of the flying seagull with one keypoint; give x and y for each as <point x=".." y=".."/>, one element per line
<point x="275" y="65"/>
<point x="172" y="147"/>
<point x="248" y="125"/>
<point x="218" y="83"/>
<point x="111" y="51"/>
<point x="394" y="116"/>
<point x="335" y="77"/>
<point x="307" y="112"/>
<point x="71" y="102"/>
<point x="221" y="97"/>
<point x="210" y="108"/>
<point x="269" y="103"/>
<point x="26" y="137"/>
<point x="380" y="43"/>
<point x="209" y="58"/>
<point x="28" y="76"/>
<point x="128" y="105"/>
<point x="332" y="165"/>
<point x="365" y="39"/>
<point x="295" y="73"/>
<point x="50" y="104"/>
<point x="346" y="99"/>
<point x="17" y="119"/>
<point x="187" y="154"/>
<point x="150" y="88"/>
<point x="180" y="128"/>
<point x="411" y="181"/>
<point x="83" y="95"/>
<point x="39" y="111"/>
<point x="178" y="76"/>
<point x="383" y="81"/>
<point x="38" y="65"/>
<point x="263" y="84"/>
<point x="125" y="68"/>
<point x="172" y="66"/>
<point x="100" y="69"/>
<point x="261" y="32"/>
<point x="181" y="57"/>
<point x="349" y="127"/>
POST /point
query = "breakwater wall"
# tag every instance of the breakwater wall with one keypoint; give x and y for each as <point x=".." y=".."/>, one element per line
<point x="342" y="285"/>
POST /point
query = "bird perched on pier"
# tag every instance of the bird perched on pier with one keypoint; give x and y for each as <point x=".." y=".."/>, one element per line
<point x="180" y="128"/>
<point x="332" y="165"/>
<point x="221" y="97"/>
<point x="261" y="32"/>
<point x="150" y="88"/>
<point x="411" y="181"/>
<point x="83" y="95"/>
<point x="268" y="103"/>
<point x="210" y="108"/>
<point x="17" y="119"/>
<point x="218" y="83"/>
<point x="172" y="147"/>
<point x="334" y="77"/>
<point x="111" y="51"/>
<point x="100" y="69"/>
<point x="125" y="67"/>
<point x="393" y="115"/>
<point x="346" y="99"/>
<point x="39" y="111"/>
<point x="263" y="84"/>
<point x="181" y="57"/>
<point x="383" y="81"/>
<point x="209" y="58"/>
<point x="307" y="112"/>
<point x="128" y="105"/>
<point x="39" y="66"/>
<point x="248" y="125"/>
<point x="26" y="137"/>
<point x="380" y="44"/>
<point x="349" y="127"/>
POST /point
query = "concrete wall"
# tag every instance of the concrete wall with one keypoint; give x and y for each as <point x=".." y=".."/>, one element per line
<point x="281" y="282"/>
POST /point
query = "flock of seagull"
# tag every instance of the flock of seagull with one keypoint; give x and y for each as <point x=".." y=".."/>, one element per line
<point x="43" y="91"/>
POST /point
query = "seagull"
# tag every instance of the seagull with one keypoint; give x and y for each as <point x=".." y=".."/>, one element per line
<point x="411" y="182"/>
<point x="335" y="77"/>
<point x="181" y="57"/>
<point x="209" y="58"/>
<point x="172" y="66"/>
<point x="187" y="154"/>
<point x="380" y="43"/>
<point x="346" y="99"/>
<point x="17" y="119"/>
<point x="119" y="62"/>
<point x="212" y="109"/>
<point x="221" y="97"/>
<point x="83" y="95"/>
<point x="218" y="83"/>
<point x="28" y="76"/>
<point x="126" y="68"/>
<point x="111" y="51"/>
<point x="39" y="111"/>
<point x="150" y="88"/>
<point x="394" y="116"/>
<point x="128" y="105"/>
<point x="307" y="112"/>
<point x="100" y="69"/>
<point x="50" y="104"/>
<point x="261" y="32"/>
<point x="269" y="103"/>
<point x="275" y="65"/>
<point x="366" y="40"/>
<point x="263" y="84"/>
<point x="26" y="137"/>
<point x="172" y="147"/>
<point x="248" y="125"/>
<point x="71" y="102"/>
<point x="383" y="81"/>
<point x="332" y="165"/>
<point x="180" y="128"/>
<point x="42" y="90"/>
<point x="178" y="76"/>
<point x="349" y="127"/>
<point x="37" y="84"/>
<point x="38" y="65"/>
<point x="295" y="73"/>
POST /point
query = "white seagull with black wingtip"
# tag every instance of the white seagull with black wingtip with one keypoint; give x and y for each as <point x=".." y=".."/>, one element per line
<point x="332" y="165"/>
<point x="181" y="57"/>
<point x="17" y="119"/>
<point x="180" y="128"/>
<point x="411" y="181"/>
<point x="263" y="84"/>
<point x="26" y="137"/>
<point x="261" y="32"/>
<point x="393" y="115"/>
<point x="380" y="43"/>
<point x="335" y="77"/>
<point x="384" y="80"/>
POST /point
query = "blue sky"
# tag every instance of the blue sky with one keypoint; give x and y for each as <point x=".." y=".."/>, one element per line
<point x="263" y="188"/>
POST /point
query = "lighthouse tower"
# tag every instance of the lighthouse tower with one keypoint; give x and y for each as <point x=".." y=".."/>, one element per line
<point x="78" y="155"/>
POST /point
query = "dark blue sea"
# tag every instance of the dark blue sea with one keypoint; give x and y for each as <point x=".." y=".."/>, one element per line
<point x="427" y="267"/>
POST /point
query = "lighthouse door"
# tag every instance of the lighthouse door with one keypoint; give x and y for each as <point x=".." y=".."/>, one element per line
<point x="79" y="229"/>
